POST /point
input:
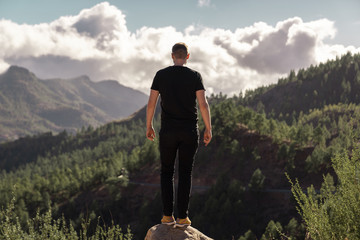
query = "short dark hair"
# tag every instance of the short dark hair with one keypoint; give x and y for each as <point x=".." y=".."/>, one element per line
<point x="180" y="50"/>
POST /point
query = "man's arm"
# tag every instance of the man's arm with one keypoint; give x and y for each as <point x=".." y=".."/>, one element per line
<point x="205" y="113"/>
<point x="150" y="110"/>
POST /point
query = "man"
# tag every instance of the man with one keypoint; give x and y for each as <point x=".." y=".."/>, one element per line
<point x="179" y="88"/>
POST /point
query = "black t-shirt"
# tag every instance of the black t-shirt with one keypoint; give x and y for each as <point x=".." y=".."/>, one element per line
<point x="177" y="86"/>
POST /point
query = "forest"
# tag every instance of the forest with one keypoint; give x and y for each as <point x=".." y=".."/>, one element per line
<point x="283" y="164"/>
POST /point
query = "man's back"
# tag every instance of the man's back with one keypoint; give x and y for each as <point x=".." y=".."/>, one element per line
<point x="177" y="86"/>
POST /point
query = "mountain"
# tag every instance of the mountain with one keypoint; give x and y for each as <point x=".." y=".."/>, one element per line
<point x="29" y="105"/>
<point x="315" y="87"/>
<point x="240" y="190"/>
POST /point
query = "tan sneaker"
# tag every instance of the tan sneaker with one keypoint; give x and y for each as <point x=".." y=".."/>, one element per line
<point x="182" y="222"/>
<point x="168" y="220"/>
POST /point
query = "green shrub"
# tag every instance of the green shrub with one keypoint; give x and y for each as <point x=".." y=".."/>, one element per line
<point x="249" y="235"/>
<point x="257" y="181"/>
<point x="272" y="231"/>
<point x="334" y="213"/>
<point x="43" y="226"/>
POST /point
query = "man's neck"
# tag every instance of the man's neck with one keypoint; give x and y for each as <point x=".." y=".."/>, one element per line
<point x="179" y="62"/>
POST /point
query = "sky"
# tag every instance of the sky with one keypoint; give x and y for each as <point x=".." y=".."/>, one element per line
<point x="235" y="44"/>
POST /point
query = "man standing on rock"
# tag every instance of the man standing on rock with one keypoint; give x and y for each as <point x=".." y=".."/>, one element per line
<point x="179" y="88"/>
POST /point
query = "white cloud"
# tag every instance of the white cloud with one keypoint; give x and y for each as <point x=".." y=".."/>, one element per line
<point x="96" y="42"/>
<point x="204" y="3"/>
<point x="3" y="66"/>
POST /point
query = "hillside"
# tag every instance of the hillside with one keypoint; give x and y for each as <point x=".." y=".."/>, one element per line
<point x="113" y="172"/>
<point x="29" y="105"/>
<point x="328" y="83"/>
<point x="239" y="188"/>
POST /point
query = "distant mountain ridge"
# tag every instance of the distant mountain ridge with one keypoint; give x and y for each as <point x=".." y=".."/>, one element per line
<point x="29" y="105"/>
<point x="333" y="82"/>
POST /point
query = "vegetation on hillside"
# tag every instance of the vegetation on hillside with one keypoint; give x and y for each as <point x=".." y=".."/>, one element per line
<point x="315" y="87"/>
<point x="92" y="173"/>
<point x="43" y="226"/>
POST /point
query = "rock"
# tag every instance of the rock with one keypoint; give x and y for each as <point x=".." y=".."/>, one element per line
<point x="166" y="232"/>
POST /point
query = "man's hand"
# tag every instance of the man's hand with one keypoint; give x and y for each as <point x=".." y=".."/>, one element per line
<point x="207" y="136"/>
<point x="150" y="110"/>
<point x="150" y="133"/>
<point x="205" y="113"/>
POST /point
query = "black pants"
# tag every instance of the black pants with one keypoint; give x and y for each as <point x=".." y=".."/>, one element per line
<point x="186" y="143"/>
